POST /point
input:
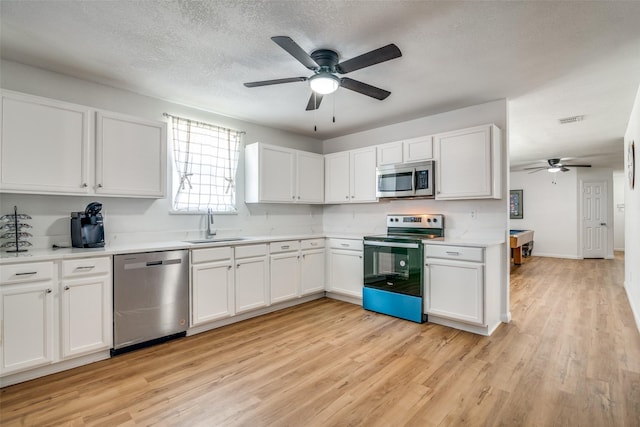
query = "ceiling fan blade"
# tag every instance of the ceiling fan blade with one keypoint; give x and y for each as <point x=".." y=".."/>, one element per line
<point x="536" y="169"/>
<point x="577" y="166"/>
<point x="373" y="57"/>
<point x="296" y="51"/>
<point x="276" y="81"/>
<point x="314" y="101"/>
<point x="564" y="169"/>
<point x="363" y="88"/>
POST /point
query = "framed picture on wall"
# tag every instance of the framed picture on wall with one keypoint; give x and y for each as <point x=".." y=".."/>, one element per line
<point x="515" y="204"/>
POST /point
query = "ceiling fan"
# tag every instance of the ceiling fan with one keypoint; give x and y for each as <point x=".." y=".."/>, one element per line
<point x="555" y="165"/>
<point x="324" y="64"/>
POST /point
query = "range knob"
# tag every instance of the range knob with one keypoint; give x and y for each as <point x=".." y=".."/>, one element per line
<point x="435" y="219"/>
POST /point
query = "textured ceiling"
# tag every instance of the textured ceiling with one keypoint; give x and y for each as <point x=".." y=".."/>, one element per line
<point x="549" y="59"/>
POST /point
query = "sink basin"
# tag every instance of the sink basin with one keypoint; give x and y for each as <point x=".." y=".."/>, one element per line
<point x="218" y="240"/>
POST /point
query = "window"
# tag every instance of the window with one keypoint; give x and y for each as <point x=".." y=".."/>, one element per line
<point x="205" y="159"/>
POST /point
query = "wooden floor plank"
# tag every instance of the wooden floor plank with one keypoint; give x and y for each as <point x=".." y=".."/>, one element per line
<point x="571" y="356"/>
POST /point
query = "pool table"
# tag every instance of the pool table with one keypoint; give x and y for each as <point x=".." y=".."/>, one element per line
<point x="518" y="238"/>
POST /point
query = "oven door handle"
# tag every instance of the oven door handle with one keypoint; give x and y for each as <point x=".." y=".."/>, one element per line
<point x="392" y="244"/>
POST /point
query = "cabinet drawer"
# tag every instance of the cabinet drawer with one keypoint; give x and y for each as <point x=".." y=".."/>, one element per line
<point x="312" y="244"/>
<point x="462" y="253"/>
<point x="210" y="254"/>
<point x="251" y="251"/>
<point x="86" y="267"/>
<point x="27" y="272"/>
<point x="352" y="244"/>
<point x="287" y="246"/>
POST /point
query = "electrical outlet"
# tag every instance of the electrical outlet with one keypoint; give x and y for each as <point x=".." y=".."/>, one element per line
<point x="473" y="214"/>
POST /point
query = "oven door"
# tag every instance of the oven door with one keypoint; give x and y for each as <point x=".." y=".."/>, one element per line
<point x="393" y="266"/>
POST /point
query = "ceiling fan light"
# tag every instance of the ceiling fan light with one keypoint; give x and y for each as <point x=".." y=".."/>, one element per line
<point x="324" y="83"/>
<point x="554" y="169"/>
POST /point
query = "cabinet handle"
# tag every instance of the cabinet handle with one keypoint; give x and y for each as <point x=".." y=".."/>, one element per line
<point x="284" y="247"/>
<point x="48" y="291"/>
<point x="294" y="197"/>
<point x="237" y="265"/>
<point x="228" y="267"/>
<point x="28" y="273"/>
<point x="86" y="267"/>
<point x="346" y="197"/>
<point x="453" y="253"/>
<point x="66" y="288"/>
<point x="84" y="185"/>
<point x="344" y="245"/>
<point x="99" y="185"/>
<point x="314" y="244"/>
<point x="352" y="197"/>
<point x="298" y="197"/>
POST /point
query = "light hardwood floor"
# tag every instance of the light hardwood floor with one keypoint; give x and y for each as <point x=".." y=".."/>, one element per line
<point x="570" y="357"/>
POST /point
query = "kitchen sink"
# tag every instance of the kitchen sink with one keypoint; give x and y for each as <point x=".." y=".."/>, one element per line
<point x="218" y="240"/>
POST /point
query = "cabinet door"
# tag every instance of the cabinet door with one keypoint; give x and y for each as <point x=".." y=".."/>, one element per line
<point x="44" y="146"/>
<point x="276" y="174"/>
<point x="465" y="165"/>
<point x="346" y="272"/>
<point x="389" y="154"/>
<point x="455" y="290"/>
<point x="211" y="292"/>
<point x="363" y="175"/>
<point x="86" y="315"/>
<point x="26" y="311"/>
<point x="336" y="178"/>
<point x="418" y="149"/>
<point x="312" y="269"/>
<point x="285" y="276"/>
<point x="310" y="177"/>
<point x="130" y="156"/>
<point x="251" y="284"/>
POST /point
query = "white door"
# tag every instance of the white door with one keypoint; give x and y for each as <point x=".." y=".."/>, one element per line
<point x="336" y="177"/>
<point x="594" y="219"/>
<point x="251" y="282"/>
<point x="285" y="276"/>
<point x="211" y="292"/>
<point x="86" y="316"/>
<point x="26" y="311"/>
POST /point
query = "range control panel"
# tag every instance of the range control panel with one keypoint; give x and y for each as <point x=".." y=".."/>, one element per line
<point x="415" y="221"/>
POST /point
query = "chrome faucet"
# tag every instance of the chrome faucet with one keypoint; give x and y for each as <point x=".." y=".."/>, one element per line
<point x="210" y="234"/>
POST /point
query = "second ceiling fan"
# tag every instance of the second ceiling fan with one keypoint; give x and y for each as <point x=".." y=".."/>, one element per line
<point x="556" y="165"/>
<point x="324" y="63"/>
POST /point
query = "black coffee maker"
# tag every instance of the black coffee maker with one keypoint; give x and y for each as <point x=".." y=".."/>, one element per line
<point x="87" y="228"/>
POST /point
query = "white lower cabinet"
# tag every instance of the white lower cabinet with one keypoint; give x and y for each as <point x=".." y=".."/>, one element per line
<point x="284" y="270"/>
<point x="212" y="285"/>
<point x="85" y="306"/>
<point x="27" y="325"/>
<point x="46" y="320"/>
<point x="312" y="266"/>
<point x="456" y="290"/>
<point x="346" y="271"/>
<point x="462" y="287"/>
<point x="252" y="277"/>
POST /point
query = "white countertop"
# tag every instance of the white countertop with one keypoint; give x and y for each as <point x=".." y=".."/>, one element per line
<point x="33" y="255"/>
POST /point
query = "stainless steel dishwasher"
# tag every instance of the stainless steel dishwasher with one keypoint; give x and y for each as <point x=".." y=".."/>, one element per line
<point x="150" y="298"/>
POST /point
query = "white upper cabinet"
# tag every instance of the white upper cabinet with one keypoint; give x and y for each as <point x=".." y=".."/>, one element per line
<point x="406" y="151"/>
<point x="350" y="176"/>
<point x="130" y="156"/>
<point x="44" y="145"/>
<point x="469" y="163"/>
<point x="276" y="174"/>
<point x="49" y="147"/>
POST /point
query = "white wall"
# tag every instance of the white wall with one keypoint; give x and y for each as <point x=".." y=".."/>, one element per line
<point x="142" y="219"/>
<point x="492" y="215"/>
<point x="619" y="183"/>
<point x="632" y="216"/>
<point x="550" y="210"/>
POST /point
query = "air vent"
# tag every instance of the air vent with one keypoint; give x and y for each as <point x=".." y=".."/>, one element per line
<point x="571" y="119"/>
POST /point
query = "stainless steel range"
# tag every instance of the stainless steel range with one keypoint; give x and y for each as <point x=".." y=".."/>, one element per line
<point x="394" y="265"/>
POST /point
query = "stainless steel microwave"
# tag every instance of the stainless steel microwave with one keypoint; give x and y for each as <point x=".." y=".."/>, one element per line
<point x="405" y="180"/>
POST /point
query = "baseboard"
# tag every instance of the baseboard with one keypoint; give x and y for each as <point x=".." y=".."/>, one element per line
<point x="634" y="310"/>
<point x="552" y="255"/>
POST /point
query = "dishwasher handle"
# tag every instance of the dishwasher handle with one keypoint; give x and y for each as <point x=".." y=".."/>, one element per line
<point x="137" y="265"/>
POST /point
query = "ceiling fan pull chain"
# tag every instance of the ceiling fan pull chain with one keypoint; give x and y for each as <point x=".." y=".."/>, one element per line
<point x="334" y="106"/>
<point x="315" y="111"/>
